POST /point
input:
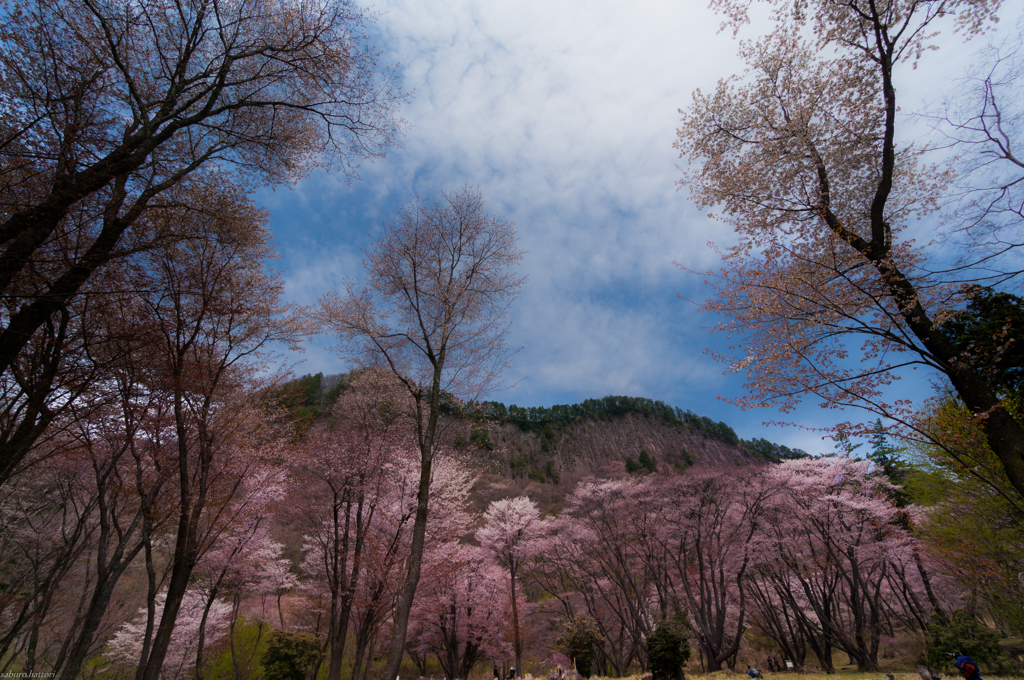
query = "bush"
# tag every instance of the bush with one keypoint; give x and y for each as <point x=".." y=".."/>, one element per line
<point x="578" y="642"/>
<point x="547" y="438"/>
<point x="289" y="655"/>
<point x="647" y="462"/>
<point x="668" y="650"/>
<point x="482" y="438"/>
<point x="964" y="632"/>
<point x="550" y="471"/>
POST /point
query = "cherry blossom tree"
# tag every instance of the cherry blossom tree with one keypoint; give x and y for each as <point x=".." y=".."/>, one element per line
<point x="802" y="153"/>
<point x="48" y="525"/>
<point x="439" y="285"/>
<point x="213" y="310"/>
<point x="595" y="557"/>
<point x="510" y="533"/>
<point x="706" y="520"/>
<point x="343" y="484"/>
<point x="197" y="622"/>
<point x="242" y="560"/>
<point x="460" y="612"/>
<point x="829" y="544"/>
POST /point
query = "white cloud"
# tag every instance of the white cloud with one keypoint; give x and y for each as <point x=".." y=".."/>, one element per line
<point x="564" y="113"/>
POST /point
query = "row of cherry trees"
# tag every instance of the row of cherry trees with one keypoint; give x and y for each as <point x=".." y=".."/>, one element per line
<point x="152" y="531"/>
<point x="812" y="553"/>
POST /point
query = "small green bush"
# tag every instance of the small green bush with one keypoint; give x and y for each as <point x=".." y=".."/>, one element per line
<point x="289" y="655"/>
<point x="647" y="462"/>
<point x="578" y="642"/>
<point x="668" y="650"/>
<point x="964" y="631"/>
<point x="482" y="438"/>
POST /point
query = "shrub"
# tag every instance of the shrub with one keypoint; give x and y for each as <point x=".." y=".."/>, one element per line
<point x="647" y="462"/>
<point x="578" y="642"/>
<point x="668" y="650"/>
<point x="482" y="438"/>
<point x="964" y="631"/>
<point x="289" y="655"/>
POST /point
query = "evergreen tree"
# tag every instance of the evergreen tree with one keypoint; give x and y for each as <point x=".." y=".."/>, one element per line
<point x="578" y="642"/>
<point x="668" y="649"/>
<point x="887" y="459"/>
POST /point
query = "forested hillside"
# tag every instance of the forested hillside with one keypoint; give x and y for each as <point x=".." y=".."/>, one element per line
<point x="516" y="448"/>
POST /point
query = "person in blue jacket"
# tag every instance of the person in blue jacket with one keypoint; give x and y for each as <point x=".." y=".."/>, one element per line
<point x="968" y="668"/>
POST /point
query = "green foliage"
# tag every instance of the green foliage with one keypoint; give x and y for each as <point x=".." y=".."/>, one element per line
<point x="551" y="472"/>
<point x="518" y="464"/>
<point x="578" y="643"/>
<point x="535" y="418"/>
<point x="887" y="459"/>
<point x="646" y="462"/>
<point x="974" y="529"/>
<point x="306" y="400"/>
<point x="537" y="476"/>
<point x="482" y="438"/>
<point x="547" y="438"/>
<point x="770" y="452"/>
<point x="987" y="334"/>
<point x="964" y="632"/>
<point x="845" y="447"/>
<point x="668" y="650"/>
<point x="289" y="655"/>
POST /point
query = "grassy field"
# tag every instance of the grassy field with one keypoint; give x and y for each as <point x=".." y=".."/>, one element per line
<point x="838" y="675"/>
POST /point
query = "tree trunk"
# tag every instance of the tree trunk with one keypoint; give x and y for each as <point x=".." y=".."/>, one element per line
<point x="419" y="529"/>
<point x="201" y="644"/>
<point x="515" y="627"/>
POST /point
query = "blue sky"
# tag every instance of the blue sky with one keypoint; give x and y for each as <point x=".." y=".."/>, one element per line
<point x="563" y="112"/>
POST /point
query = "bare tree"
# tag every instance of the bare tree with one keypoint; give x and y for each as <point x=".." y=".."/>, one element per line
<point x="433" y="313"/>
<point x="109" y="106"/>
<point x="984" y="125"/>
